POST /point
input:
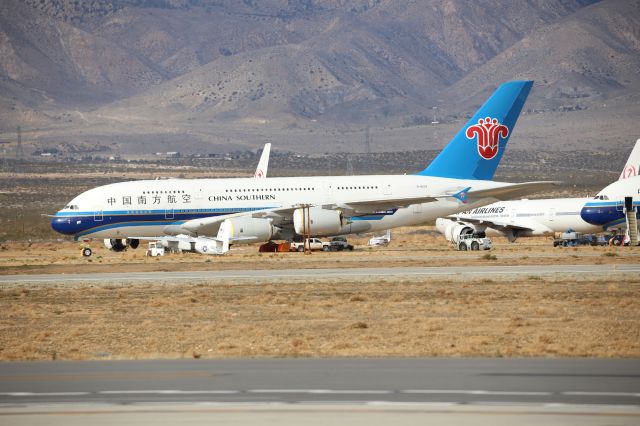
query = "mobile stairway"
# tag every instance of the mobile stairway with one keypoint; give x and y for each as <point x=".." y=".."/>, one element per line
<point x="632" y="221"/>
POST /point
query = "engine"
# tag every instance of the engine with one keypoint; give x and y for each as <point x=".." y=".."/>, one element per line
<point x="247" y="230"/>
<point x="321" y="221"/>
<point x="452" y="230"/>
<point x="119" y="245"/>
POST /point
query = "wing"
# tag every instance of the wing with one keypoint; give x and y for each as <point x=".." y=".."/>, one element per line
<point x="512" y="191"/>
<point x="498" y="225"/>
<point x="210" y="225"/>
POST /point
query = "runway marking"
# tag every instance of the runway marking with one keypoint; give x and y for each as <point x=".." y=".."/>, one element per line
<point x="576" y="393"/>
<point x="324" y="391"/>
<point x="169" y="392"/>
<point x="44" y="393"/>
<point x="473" y="392"/>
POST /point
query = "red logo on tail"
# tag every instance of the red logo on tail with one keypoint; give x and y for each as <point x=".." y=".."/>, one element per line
<point x="488" y="131"/>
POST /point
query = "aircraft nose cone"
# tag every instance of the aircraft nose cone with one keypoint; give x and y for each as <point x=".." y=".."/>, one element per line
<point x="592" y="215"/>
<point x="63" y="225"/>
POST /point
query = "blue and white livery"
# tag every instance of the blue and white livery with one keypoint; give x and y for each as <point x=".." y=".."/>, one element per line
<point x="254" y="210"/>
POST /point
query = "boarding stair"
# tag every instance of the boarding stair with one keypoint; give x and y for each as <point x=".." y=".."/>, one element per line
<point x="632" y="221"/>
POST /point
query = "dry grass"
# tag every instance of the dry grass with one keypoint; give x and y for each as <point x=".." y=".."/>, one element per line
<point x="419" y="246"/>
<point x="496" y="318"/>
<point x="536" y="315"/>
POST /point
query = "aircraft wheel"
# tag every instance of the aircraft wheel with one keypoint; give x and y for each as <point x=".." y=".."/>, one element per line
<point x="86" y="252"/>
<point x="475" y="246"/>
<point x="462" y="247"/>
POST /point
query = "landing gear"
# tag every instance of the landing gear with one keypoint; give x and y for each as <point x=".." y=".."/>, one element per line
<point x="86" y="252"/>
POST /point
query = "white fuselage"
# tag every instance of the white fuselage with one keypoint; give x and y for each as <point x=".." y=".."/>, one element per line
<point x="145" y="208"/>
<point x="542" y="217"/>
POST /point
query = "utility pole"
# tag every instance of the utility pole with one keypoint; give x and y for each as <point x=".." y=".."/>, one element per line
<point x="367" y="140"/>
<point x="19" y="151"/>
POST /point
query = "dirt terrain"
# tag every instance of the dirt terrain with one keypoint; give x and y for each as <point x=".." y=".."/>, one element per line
<point x="574" y="316"/>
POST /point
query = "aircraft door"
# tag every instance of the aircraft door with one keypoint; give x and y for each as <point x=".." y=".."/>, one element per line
<point x="387" y="189"/>
<point x="98" y="216"/>
<point x="168" y="214"/>
<point x="552" y="215"/>
<point x="328" y="191"/>
<point x="417" y="208"/>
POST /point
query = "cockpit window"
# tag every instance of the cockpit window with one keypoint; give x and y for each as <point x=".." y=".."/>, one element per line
<point x="601" y="197"/>
<point x="71" y="207"/>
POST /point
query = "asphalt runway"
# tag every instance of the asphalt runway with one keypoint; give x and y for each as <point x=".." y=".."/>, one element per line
<point x="270" y="275"/>
<point x="607" y="382"/>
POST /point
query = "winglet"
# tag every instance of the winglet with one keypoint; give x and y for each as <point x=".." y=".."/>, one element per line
<point x="462" y="195"/>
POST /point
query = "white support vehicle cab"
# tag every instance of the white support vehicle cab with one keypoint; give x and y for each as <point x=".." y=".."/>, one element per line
<point x="155" y="249"/>
<point x="473" y="242"/>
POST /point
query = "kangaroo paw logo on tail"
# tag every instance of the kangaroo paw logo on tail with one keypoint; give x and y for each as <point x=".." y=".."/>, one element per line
<point x="488" y="131"/>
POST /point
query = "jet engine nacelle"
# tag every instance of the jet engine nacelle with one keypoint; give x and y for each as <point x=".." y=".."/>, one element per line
<point x="247" y="230"/>
<point x="321" y="221"/>
<point x="116" y="245"/>
<point x="453" y="230"/>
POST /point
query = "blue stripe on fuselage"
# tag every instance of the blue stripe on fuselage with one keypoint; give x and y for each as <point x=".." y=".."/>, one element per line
<point x="83" y="223"/>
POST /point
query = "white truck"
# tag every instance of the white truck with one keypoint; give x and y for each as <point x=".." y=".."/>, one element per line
<point x="155" y="249"/>
<point x="314" y="244"/>
<point x="473" y="242"/>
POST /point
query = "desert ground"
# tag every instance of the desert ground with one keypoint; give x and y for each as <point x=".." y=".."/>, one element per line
<point x="543" y="315"/>
<point x="502" y="316"/>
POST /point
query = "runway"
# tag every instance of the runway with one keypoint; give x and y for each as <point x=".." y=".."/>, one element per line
<point x="270" y="275"/>
<point x="328" y="381"/>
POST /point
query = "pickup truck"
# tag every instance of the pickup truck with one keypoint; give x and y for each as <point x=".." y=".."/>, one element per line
<point x="315" y="244"/>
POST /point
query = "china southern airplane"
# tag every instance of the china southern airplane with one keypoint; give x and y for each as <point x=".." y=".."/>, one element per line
<point x="219" y="212"/>
<point x="525" y="218"/>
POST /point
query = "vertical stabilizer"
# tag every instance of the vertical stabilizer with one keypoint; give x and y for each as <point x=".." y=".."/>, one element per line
<point x="632" y="168"/>
<point x="263" y="164"/>
<point x="475" y="152"/>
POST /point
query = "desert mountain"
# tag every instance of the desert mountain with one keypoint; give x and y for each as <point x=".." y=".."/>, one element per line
<point x="233" y="73"/>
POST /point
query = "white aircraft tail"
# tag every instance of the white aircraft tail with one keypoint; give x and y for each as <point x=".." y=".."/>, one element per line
<point x="632" y="168"/>
<point x="263" y="164"/>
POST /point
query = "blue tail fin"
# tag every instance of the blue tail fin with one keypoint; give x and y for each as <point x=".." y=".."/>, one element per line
<point x="475" y="152"/>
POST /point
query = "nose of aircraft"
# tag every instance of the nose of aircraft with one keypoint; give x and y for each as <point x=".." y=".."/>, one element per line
<point x="63" y="225"/>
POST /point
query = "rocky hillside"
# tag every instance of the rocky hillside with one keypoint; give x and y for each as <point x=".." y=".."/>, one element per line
<point x="149" y="67"/>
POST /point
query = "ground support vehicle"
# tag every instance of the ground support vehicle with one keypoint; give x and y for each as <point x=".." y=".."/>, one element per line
<point x="314" y="244"/>
<point x="339" y="244"/>
<point x="574" y="239"/>
<point x="473" y="242"/>
<point x="155" y="249"/>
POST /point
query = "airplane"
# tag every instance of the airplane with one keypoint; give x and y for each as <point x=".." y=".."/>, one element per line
<point x="614" y="207"/>
<point x="382" y="240"/>
<point x="525" y="218"/>
<point x="240" y="210"/>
